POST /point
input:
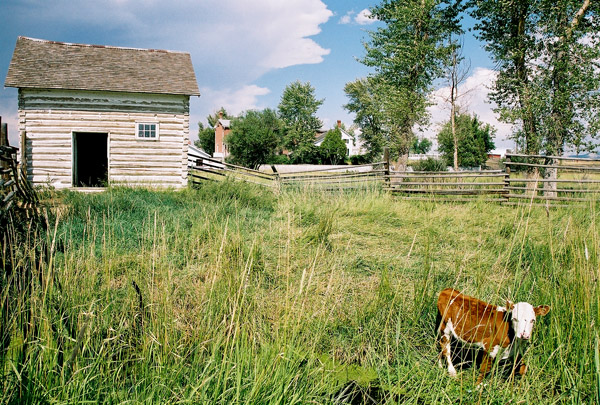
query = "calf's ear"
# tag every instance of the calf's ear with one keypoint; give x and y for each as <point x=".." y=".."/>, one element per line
<point x="541" y="310"/>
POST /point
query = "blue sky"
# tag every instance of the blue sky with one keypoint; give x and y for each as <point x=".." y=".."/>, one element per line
<point x="244" y="52"/>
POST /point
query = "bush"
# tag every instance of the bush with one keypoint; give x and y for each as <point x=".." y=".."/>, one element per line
<point x="430" y="165"/>
<point x="307" y="154"/>
<point x="333" y="149"/>
<point x="278" y="160"/>
<point x="360" y="159"/>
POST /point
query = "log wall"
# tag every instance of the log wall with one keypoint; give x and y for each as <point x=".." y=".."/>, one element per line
<point x="49" y="118"/>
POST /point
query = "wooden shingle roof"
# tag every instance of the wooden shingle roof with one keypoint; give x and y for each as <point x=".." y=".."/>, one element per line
<point x="42" y="64"/>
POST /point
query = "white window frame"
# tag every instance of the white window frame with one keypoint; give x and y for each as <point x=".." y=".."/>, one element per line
<point x="146" y="138"/>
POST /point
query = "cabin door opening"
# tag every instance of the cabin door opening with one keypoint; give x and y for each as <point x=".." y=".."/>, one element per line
<point x="90" y="159"/>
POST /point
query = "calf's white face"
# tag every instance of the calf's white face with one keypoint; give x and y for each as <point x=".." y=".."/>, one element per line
<point x="524" y="317"/>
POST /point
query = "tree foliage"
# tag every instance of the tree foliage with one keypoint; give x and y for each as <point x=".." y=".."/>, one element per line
<point x="206" y="135"/>
<point x="254" y="138"/>
<point x="421" y="146"/>
<point x="547" y="54"/>
<point x="333" y="149"/>
<point x="368" y="115"/>
<point x="297" y="109"/>
<point x="475" y="141"/>
<point x="407" y="53"/>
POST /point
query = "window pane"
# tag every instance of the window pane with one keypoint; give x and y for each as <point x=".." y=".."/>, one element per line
<point x="146" y="130"/>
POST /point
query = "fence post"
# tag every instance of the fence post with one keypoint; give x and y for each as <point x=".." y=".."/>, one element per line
<point x="507" y="176"/>
<point x="387" y="181"/>
<point x="277" y="178"/>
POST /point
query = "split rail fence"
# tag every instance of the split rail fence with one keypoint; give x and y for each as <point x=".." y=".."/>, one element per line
<point x="15" y="190"/>
<point x="530" y="179"/>
<point x="338" y="178"/>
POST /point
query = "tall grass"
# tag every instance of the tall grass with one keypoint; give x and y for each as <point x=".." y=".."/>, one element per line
<point x="230" y="294"/>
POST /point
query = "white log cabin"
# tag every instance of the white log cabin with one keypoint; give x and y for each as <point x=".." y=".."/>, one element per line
<point x="94" y="115"/>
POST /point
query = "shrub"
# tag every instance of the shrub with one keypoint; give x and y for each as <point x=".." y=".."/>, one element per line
<point x="360" y="159"/>
<point x="333" y="149"/>
<point x="279" y="160"/>
<point x="430" y="165"/>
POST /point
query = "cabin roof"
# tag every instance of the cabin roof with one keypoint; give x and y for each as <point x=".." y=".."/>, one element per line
<point x="43" y="64"/>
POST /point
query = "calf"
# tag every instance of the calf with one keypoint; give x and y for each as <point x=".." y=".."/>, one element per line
<point x="497" y="330"/>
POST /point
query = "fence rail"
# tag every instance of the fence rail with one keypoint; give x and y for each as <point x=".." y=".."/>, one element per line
<point x="14" y="187"/>
<point x="532" y="179"/>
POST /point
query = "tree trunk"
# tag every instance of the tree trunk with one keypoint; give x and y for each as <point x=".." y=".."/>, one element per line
<point x="550" y="174"/>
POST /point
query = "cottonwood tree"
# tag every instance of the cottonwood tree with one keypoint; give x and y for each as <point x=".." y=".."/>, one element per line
<point x="368" y="115"/>
<point x="297" y="109"/>
<point x="408" y="53"/>
<point x="508" y="28"/>
<point x="254" y="138"/>
<point x="547" y="54"/>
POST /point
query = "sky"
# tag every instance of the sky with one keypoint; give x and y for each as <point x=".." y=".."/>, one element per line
<point x="244" y="52"/>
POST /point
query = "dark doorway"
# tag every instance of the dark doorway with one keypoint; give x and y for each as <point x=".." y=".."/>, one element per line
<point x="90" y="159"/>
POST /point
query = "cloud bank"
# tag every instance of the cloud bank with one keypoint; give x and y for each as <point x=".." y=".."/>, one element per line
<point x="232" y="42"/>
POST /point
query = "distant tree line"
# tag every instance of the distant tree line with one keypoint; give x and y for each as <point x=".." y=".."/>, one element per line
<point x="259" y="137"/>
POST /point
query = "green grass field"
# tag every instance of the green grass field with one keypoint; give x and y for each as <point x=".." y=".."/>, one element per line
<point x="232" y="294"/>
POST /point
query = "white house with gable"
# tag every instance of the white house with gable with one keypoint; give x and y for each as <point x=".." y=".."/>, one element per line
<point x="354" y="146"/>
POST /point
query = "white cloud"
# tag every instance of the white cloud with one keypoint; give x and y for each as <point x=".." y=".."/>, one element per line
<point x="244" y="37"/>
<point x="475" y="90"/>
<point x="364" y="17"/>
<point x="232" y="42"/>
<point x="347" y="19"/>
<point x="234" y="101"/>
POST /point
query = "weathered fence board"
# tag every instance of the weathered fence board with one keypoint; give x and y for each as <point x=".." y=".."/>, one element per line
<point x="577" y="182"/>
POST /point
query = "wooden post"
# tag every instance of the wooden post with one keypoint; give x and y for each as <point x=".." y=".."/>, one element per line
<point x="3" y="134"/>
<point x="507" y="175"/>
<point x="24" y="153"/>
<point x="387" y="181"/>
<point x="277" y="178"/>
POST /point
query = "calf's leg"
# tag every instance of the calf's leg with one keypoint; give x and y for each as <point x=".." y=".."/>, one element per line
<point x="486" y="365"/>
<point x="445" y="346"/>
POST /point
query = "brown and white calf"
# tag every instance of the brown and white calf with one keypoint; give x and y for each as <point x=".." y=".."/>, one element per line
<point x="499" y="331"/>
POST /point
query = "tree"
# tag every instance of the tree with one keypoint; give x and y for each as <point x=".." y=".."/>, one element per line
<point x="547" y="54"/>
<point x="475" y="141"/>
<point x="408" y="54"/>
<point x="254" y="138"/>
<point x="297" y="110"/>
<point x="457" y="72"/>
<point x="333" y="148"/>
<point x="206" y="139"/>
<point x="368" y="115"/>
<point x="206" y="135"/>
<point x="421" y="146"/>
<point x="509" y="29"/>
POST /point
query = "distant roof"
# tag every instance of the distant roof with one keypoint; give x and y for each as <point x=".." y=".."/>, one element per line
<point x="225" y="123"/>
<point x="42" y="64"/>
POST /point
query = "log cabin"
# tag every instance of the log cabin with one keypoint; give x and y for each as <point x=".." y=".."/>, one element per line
<point x="92" y="115"/>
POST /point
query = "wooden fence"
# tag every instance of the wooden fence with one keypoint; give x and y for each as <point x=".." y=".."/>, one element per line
<point x="551" y="180"/>
<point x="15" y="190"/>
<point x="524" y="179"/>
<point x="448" y="186"/>
<point x="338" y="178"/>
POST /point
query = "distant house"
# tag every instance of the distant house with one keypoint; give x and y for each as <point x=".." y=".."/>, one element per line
<point x="353" y="146"/>
<point x="222" y="129"/>
<point x="93" y="115"/>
